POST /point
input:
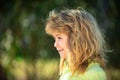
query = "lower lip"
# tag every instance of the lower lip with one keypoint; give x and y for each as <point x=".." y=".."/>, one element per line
<point x="60" y="50"/>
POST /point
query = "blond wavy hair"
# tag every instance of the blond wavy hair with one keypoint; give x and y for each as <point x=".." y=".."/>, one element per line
<point x="86" y="41"/>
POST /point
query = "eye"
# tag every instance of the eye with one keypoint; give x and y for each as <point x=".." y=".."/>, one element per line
<point x="59" y="37"/>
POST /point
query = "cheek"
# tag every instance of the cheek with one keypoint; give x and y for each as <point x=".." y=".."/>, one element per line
<point x="66" y="45"/>
<point x="60" y="43"/>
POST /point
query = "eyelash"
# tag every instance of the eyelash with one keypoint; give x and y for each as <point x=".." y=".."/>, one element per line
<point x="59" y="38"/>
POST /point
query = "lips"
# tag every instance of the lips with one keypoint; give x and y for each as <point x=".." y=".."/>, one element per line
<point x="60" y="50"/>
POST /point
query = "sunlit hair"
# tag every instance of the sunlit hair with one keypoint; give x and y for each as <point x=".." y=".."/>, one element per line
<point x="86" y="41"/>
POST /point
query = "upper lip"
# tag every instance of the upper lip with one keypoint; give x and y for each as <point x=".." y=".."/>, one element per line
<point x="60" y="50"/>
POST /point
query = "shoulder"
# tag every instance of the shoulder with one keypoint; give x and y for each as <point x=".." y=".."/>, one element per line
<point x="94" y="72"/>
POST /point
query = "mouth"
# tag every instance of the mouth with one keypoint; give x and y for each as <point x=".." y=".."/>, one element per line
<point x="60" y="50"/>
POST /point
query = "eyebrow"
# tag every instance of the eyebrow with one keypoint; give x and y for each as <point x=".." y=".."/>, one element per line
<point x="58" y="34"/>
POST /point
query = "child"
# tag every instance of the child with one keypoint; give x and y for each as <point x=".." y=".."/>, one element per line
<point x="80" y="44"/>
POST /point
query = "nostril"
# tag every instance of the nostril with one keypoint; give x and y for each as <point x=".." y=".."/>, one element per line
<point x="56" y="44"/>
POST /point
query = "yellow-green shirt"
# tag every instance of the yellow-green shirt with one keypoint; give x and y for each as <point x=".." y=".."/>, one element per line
<point x="93" y="72"/>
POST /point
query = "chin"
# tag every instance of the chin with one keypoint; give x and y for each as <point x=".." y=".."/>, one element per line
<point x="62" y="57"/>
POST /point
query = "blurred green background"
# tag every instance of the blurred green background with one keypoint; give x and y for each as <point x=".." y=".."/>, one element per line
<point x="27" y="52"/>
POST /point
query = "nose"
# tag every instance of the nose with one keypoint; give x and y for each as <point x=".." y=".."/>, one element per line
<point x="55" y="44"/>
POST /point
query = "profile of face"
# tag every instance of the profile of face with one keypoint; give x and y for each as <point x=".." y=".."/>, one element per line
<point x="61" y="44"/>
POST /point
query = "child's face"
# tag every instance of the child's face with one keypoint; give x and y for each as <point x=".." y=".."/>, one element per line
<point x="61" y="44"/>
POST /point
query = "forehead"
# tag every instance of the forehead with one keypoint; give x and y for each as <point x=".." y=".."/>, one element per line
<point x="59" y="34"/>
